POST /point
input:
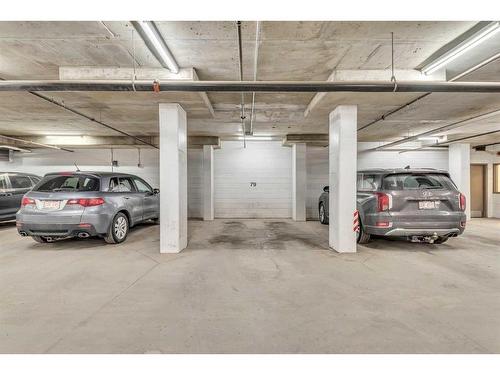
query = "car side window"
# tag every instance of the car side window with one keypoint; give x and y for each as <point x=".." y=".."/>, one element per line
<point x="113" y="185"/>
<point x="125" y="184"/>
<point x="34" y="180"/>
<point x="367" y="182"/>
<point x="121" y="185"/>
<point x="142" y="186"/>
<point x="20" y="182"/>
<point x="3" y="181"/>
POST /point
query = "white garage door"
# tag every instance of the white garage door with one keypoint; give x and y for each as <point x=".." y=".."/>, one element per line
<point x="253" y="182"/>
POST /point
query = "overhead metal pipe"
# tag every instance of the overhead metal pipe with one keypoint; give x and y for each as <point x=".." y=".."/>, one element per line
<point x="467" y="137"/>
<point x="255" y="64"/>
<point x="76" y="112"/>
<point x="455" y="78"/>
<point x="249" y="86"/>
<point x="441" y="129"/>
<point x="240" y="65"/>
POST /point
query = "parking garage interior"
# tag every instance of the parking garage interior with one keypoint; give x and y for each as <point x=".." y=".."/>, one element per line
<point x="239" y="262"/>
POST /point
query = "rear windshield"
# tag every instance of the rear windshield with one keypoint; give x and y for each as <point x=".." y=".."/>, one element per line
<point x="68" y="183"/>
<point x="409" y="181"/>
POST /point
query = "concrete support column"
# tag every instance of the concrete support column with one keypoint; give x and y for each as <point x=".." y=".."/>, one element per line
<point x="459" y="168"/>
<point x="342" y="165"/>
<point x="208" y="182"/>
<point x="173" y="178"/>
<point x="299" y="181"/>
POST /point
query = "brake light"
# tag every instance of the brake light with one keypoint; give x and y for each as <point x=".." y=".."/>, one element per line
<point x="383" y="201"/>
<point x="383" y="224"/>
<point x="462" y="202"/>
<point x="27" y="201"/>
<point x="86" y="202"/>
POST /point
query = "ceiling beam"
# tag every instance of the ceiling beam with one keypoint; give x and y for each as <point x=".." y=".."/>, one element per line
<point x="371" y="75"/>
<point x="92" y="73"/>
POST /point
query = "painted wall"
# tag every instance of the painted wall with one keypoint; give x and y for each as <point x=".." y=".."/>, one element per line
<point x="493" y="200"/>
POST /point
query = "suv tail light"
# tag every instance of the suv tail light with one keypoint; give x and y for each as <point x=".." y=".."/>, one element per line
<point x="462" y="201"/>
<point x="87" y="202"/>
<point x="27" y="201"/>
<point x="383" y="201"/>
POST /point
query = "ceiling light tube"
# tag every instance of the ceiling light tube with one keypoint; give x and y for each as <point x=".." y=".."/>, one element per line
<point x="156" y="44"/>
<point x="13" y="148"/>
<point x="251" y="138"/>
<point x="462" y="48"/>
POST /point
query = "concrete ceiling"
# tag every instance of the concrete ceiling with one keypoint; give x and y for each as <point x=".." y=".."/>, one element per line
<point x="287" y="51"/>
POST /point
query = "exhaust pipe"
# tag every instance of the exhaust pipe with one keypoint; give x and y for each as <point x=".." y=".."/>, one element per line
<point x="24" y="234"/>
<point x="83" y="235"/>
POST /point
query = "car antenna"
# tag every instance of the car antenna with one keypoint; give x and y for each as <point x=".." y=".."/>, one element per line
<point x="407" y="167"/>
<point x="76" y="166"/>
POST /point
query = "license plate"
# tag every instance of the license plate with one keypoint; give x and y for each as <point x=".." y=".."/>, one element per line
<point x="51" y="205"/>
<point x="426" y="205"/>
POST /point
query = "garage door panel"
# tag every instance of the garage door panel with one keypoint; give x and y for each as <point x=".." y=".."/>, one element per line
<point x="253" y="182"/>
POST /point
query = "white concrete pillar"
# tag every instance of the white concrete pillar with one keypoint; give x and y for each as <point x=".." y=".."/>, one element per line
<point x="459" y="168"/>
<point x="342" y="164"/>
<point x="208" y="182"/>
<point x="299" y="181"/>
<point x="173" y="178"/>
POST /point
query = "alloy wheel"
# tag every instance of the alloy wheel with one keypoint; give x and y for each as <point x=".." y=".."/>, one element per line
<point x="120" y="227"/>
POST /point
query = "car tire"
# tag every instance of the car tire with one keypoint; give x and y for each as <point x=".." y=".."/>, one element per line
<point x="440" y="240"/>
<point x="323" y="219"/>
<point x="39" y="239"/>
<point x="362" y="236"/>
<point x="118" y="230"/>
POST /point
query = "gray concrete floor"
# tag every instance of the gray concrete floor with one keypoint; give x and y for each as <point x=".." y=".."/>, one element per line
<point x="250" y="286"/>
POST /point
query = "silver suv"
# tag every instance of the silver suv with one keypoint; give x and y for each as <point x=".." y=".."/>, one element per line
<point x="84" y="204"/>
<point x="422" y="205"/>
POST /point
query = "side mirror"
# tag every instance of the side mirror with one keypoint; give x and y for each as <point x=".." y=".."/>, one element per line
<point x="156" y="191"/>
<point x="326" y="189"/>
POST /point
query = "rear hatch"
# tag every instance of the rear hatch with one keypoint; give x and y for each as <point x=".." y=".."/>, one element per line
<point x="423" y="199"/>
<point x="54" y="200"/>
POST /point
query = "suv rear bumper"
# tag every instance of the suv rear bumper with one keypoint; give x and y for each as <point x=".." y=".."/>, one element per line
<point x="401" y="231"/>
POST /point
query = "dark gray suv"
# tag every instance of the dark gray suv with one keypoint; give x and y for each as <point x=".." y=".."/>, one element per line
<point x="83" y="204"/>
<point x="13" y="186"/>
<point x="422" y="205"/>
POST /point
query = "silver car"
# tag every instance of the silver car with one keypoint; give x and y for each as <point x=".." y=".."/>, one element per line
<point x="422" y="205"/>
<point x="84" y="204"/>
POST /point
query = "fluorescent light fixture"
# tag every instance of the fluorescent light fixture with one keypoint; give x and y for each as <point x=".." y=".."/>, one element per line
<point x="156" y="44"/>
<point x="13" y="148"/>
<point x="473" y="41"/>
<point x="67" y="139"/>
<point x="248" y="138"/>
<point x="433" y="138"/>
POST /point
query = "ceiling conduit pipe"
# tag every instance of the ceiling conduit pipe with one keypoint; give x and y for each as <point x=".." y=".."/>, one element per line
<point x="255" y="64"/>
<point x="240" y="64"/>
<point x="250" y="86"/>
